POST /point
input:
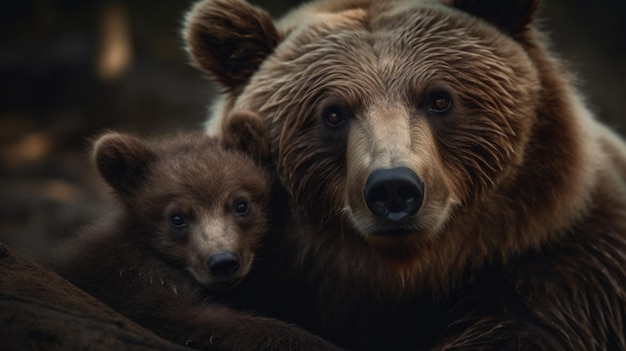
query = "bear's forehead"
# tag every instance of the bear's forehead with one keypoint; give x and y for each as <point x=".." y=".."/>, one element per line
<point x="213" y="173"/>
<point x="411" y="46"/>
<point x="386" y="31"/>
<point x="394" y="56"/>
<point x="214" y="194"/>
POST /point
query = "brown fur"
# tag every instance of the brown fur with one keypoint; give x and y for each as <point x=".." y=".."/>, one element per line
<point x="520" y="242"/>
<point x="160" y="275"/>
<point x="238" y="25"/>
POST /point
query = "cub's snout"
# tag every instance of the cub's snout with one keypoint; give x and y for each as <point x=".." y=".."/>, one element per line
<point x="224" y="264"/>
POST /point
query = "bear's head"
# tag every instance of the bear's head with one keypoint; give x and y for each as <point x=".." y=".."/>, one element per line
<point x="404" y="123"/>
<point x="200" y="203"/>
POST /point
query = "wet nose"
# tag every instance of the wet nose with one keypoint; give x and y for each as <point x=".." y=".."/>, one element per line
<point x="223" y="264"/>
<point x="394" y="193"/>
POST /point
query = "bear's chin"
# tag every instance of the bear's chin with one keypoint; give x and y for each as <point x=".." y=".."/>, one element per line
<point x="215" y="283"/>
<point x="224" y="285"/>
<point x="399" y="245"/>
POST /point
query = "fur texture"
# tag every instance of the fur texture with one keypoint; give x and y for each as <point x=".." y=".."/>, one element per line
<point x="520" y="237"/>
<point x="193" y="213"/>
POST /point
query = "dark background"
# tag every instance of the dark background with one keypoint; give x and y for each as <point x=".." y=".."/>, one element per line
<point x="71" y="69"/>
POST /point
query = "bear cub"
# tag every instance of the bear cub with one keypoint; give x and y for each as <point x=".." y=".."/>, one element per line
<point x="193" y="212"/>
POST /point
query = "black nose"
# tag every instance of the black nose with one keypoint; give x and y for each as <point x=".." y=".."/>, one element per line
<point x="223" y="264"/>
<point x="394" y="193"/>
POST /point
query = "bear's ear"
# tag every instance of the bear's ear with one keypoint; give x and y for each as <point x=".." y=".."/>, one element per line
<point x="229" y="39"/>
<point x="511" y="16"/>
<point x="246" y="131"/>
<point x="122" y="160"/>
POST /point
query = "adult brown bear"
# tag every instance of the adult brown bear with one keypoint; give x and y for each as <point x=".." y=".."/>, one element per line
<point x="451" y="190"/>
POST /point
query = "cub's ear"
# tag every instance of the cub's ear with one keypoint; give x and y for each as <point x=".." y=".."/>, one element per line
<point x="246" y="131"/>
<point x="511" y="16"/>
<point x="122" y="160"/>
<point x="229" y="39"/>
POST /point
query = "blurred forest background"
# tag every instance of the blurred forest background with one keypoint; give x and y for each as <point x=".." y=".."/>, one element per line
<point x="70" y="69"/>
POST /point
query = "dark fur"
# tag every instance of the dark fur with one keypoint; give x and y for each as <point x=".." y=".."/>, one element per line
<point x="521" y="241"/>
<point x="236" y="25"/>
<point x="136" y="262"/>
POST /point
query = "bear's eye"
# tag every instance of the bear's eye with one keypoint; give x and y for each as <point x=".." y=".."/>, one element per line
<point x="178" y="221"/>
<point x="440" y="102"/>
<point x="333" y="116"/>
<point x="241" y="208"/>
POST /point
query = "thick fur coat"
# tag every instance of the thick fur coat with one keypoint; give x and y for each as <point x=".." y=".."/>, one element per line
<point x="450" y="188"/>
<point x="193" y="213"/>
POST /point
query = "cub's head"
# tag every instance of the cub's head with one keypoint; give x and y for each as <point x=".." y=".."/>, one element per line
<point x="401" y="121"/>
<point x="199" y="202"/>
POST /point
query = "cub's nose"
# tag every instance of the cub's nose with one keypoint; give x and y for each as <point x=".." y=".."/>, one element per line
<point x="223" y="264"/>
<point x="394" y="193"/>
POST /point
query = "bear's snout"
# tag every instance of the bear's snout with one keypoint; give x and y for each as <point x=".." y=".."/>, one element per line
<point x="223" y="264"/>
<point x="394" y="194"/>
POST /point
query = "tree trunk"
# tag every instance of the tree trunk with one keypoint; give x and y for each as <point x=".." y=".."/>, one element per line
<point x="39" y="310"/>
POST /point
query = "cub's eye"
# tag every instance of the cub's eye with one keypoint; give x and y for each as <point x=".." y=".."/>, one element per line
<point x="333" y="116"/>
<point x="178" y="221"/>
<point x="440" y="102"/>
<point x="242" y="208"/>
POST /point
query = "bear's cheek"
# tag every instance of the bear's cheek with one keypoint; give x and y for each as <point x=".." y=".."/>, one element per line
<point x="412" y="169"/>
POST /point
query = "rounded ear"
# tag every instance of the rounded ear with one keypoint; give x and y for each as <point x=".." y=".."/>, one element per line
<point x="229" y="39"/>
<point x="246" y="131"/>
<point x="122" y="160"/>
<point x="511" y="16"/>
